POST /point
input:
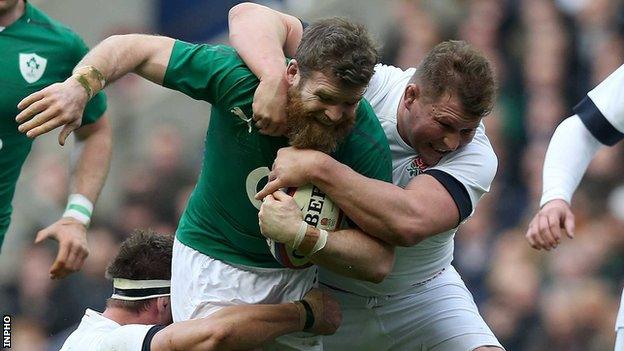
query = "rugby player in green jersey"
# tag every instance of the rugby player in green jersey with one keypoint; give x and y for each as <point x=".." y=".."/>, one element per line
<point x="36" y="52"/>
<point x="220" y="257"/>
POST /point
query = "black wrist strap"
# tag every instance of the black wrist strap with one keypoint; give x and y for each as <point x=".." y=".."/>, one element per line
<point x="309" y="322"/>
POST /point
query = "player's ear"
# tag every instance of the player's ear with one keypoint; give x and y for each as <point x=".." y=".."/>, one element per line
<point x="292" y="73"/>
<point x="412" y="94"/>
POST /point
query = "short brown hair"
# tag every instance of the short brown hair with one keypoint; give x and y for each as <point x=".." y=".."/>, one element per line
<point x="339" y="48"/>
<point x="145" y="255"/>
<point x="457" y="68"/>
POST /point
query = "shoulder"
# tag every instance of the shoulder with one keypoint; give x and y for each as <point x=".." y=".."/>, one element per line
<point x="366" y="119"/>
<point x="219" y="55"/>
<point x="40" y="20"/>
<point x="214" y="73"/>
<point x="54" y="37"/>
<point x="366" y="149"/>
<point x="386" y="86"/>
<point x="602" y="110"/>
<point x="129" y="337"/>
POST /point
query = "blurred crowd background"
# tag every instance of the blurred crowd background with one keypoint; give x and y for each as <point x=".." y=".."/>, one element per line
<point x="547" y="55"/>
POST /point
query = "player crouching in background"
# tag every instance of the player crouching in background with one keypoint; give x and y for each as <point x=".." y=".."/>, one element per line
<point x="138" y="314"/>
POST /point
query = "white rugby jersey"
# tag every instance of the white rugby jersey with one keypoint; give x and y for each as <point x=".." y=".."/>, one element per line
<point x="98" y="333"/>
<point x="466" y="173"/>
<point x="602" y="110"/>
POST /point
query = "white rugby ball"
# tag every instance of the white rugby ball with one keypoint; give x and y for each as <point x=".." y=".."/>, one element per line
<point x="319" y="211"/>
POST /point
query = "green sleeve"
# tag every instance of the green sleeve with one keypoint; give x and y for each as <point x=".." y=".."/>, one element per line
<point x="213" y="73"/>
<point x="97" y="105"/>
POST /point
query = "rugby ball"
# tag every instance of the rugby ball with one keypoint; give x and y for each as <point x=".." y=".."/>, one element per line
<point x="319" y="211"/>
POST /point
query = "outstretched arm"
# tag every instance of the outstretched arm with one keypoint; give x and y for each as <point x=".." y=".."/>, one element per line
<point x="561" y="176"/>
<point x="249" y="327"/>
<point x="89" y="171"/>
<point x="63" y="103"/>
<point x="599" y="120"/>
<point x="262" y="37"/>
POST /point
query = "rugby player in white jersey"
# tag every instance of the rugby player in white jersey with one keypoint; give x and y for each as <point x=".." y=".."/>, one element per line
<point x="598" y="122"/>
<point x="442" y="164"/>
<point x="138" y="314"/>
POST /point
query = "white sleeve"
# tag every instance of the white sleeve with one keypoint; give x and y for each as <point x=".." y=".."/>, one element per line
<point x="130" y="337"/>
<point x="467" y="173"/>
<point x="382" y="83"/>
<point x="570" y="151"/>
<point x="602" y="111"/>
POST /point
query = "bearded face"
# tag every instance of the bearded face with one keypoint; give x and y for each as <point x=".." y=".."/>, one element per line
<point x="310" y="128"/>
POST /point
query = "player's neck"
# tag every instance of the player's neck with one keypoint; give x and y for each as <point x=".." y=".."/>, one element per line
<point x="123" y="316"/>
<point x="12" y="15"/>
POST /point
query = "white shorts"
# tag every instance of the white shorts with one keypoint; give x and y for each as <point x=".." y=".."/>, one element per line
<point x="201" y="285"/>
<point x="439" y="315"/>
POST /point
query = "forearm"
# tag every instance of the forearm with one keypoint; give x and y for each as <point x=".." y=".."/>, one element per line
<point x="91" y="159"/>
<point x="262" y="37"/>
<point x="562" y="173"/>
<point x="146" y="55"/>
<point x="354" y="254"/>
<point x="232" y="328"/>
<point x="375" y="206"/>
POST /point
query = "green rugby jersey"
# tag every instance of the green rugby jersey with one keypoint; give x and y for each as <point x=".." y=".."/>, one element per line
<point x="221" y="217"/>
<point x="36" y="52"/>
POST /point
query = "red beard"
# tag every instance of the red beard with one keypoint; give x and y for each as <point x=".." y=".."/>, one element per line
<point x="305" y="131"/>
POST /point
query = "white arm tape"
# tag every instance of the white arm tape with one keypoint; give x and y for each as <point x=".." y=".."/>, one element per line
<point x="570" y="151"/>
<point x="320" y="243"/>
<point x="303" y="228"/>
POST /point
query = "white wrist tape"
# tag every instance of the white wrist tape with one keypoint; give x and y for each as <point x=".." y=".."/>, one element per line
<point x="320" y="243"/>
<point x="79" y="208"/>
<point x="303" y="228"/>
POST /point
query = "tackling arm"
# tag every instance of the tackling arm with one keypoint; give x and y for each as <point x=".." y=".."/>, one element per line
<point x="232" y="328"/>
<point x="263" y="36"/>
<point x="354" y="254"/>
<point x="401" y="217"/>
<point x="250" y="326"/>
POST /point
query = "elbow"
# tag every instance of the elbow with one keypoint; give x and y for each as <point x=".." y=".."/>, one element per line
<point x="240" y="10"/>
<point x="407" y="233"/>
<point x="383" y="267"/>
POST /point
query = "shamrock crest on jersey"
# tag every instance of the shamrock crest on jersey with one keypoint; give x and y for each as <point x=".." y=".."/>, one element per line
<point x="32" y="66"/>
